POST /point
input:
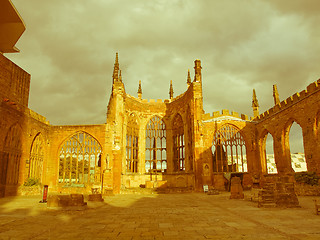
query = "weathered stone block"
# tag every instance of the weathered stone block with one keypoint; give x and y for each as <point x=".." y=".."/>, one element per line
<point x="95" y="197"/>
<point x="236" y="188"/>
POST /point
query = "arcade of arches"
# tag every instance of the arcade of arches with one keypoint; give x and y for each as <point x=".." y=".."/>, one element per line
<point x="167" y="143"/>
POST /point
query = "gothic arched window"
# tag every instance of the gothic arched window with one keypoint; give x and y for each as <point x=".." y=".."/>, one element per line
<point x="229" y="150"/>
<point x="10" y="162"/>
<point x="156" y="152"/>
<point x="36" y="158"/>
<point x="79" y="159"/>
<point x="132" y="144"/>
<point x="178" y="144"/>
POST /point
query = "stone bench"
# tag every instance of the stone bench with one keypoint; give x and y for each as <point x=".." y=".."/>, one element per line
<point x="71" y="200"/>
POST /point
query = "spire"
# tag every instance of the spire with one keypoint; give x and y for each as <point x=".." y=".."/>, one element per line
<point x="116" y="69"/>
<point x="255" y="104"/>
<point x="139" y="90"/>
<point x="171" y="90"/>
<point x="197" y="70"/>
<point x="189" y="78"/>
<point x="276" y="95"/>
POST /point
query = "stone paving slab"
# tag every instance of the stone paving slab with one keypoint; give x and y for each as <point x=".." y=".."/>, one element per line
<point x="158" y="216"/>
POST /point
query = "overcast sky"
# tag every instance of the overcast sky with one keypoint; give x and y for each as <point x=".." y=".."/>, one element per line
<point x="69" y="49"/>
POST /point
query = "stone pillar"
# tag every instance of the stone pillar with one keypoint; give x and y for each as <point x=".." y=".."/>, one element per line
<point x="117" y="163"/>
<point x="282" y="154"/>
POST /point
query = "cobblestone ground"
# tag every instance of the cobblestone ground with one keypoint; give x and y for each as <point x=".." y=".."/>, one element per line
<point x="158" y="216"/>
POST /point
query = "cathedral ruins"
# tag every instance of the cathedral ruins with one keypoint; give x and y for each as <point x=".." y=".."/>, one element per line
<point x="168" y="145"/>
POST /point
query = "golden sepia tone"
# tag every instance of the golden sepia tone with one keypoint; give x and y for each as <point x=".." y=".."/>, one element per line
<point x="162" y="145"/>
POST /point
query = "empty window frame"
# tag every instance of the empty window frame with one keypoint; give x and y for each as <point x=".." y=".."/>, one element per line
<point x="178" y="144"/>
<point x="156" y="152"/>
<point x="132" y="140"/>
<point x="78" y="160"/>
<point x="35" y="163"/>
<point x="229" y="151"/>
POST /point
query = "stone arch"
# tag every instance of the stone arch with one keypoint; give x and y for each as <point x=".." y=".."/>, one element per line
<point x="229" y="150"/>
<point x="268" y="164"/>
<point x="178" y="143"/>
<point x="12" y="151"/>
<point x="297" y="160"/>
<point x="156" y="145"/>
<point x="132" y="141"/>
<point x="34" y="165"/>
<point x="79" y="159"/>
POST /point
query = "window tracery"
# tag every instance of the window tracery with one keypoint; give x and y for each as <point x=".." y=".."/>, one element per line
<point x="156" y="152"/>
<point x="79" y="159"/>
<point x="132" y="139"/>
<point x="229" y="151"/>
<point x="178" y="144"/>
<point x="35" y="164"/>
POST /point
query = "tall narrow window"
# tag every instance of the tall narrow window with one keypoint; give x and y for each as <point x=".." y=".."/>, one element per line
<point x="132" y="144"/>
<point x="79" y="156"/>
<point x="178" y="144"/>
<point x="229" y="151"/>
<point x="156" y="152"/>
<point x="36" y="158"/>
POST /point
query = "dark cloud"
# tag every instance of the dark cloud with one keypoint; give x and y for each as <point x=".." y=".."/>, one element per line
<point x="69" y="49"/>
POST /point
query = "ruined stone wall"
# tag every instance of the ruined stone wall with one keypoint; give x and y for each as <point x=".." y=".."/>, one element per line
<point x="58" y="135"/>
<point x="210" y="125"/>
<point x="167" y="110"/>
<point x="302" y="108"/>
<point x="14" y="83"/>
<point x="14" y="93"/>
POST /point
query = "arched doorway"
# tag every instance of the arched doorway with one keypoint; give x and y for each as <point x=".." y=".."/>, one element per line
<point x="10" y="161"/>
<point x="298" y="161"/>
<point x="268" y="163"/>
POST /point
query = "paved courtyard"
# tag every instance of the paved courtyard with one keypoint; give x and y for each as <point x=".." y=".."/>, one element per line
<point x="158" y="216"/>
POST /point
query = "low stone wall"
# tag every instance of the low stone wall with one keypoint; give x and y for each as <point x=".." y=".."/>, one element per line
<point x="29" y="190"/>
<point x="71" y="200"/>
<point x="307" y="190"/>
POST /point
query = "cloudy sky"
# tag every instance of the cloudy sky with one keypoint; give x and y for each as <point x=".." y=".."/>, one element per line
<point x="69" y="49"/>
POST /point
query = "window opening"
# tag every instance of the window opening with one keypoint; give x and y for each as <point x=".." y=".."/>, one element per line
<point x="132" y="144"/>
<point x="229" y="152"/>
<point x="178" y="144"/>
<point x="78" y="160"/>
<point x="156" y="159"/>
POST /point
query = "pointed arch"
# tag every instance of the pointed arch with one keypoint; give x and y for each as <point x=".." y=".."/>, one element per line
<point x="156" y="150"/>
<point x="229" y="150"/>
<point x="12" y="151"/>
<point x="132" y="143"/>
<point x="178" y="143"/>
<point x="79" y="157"/>
<point x="266" y="143"/>
<point x="35" y="164"/>
<point x="294" y="145"/>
